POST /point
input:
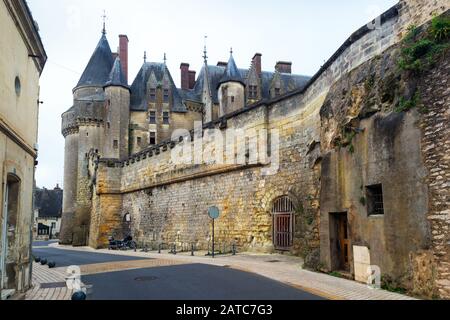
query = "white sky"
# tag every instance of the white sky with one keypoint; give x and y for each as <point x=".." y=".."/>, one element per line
<point x="304" y="32"/>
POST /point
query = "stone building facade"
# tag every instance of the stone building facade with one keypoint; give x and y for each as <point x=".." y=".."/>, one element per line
<point x="339" y="175"/>
<point x="22" y="59"/>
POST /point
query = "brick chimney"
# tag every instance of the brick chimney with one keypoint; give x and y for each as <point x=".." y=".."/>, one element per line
<point x="284" y="67"/>
<point x="192" y="79"/>
<point x="257" y="63"/>
<point x="184" y="67"/>
<point x="123" y="54"/>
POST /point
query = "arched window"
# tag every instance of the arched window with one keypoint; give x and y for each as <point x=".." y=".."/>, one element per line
<point x="283" y="223"/>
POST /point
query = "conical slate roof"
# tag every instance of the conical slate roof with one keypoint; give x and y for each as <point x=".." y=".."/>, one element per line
<point x="232" y="73"/>
<point x="99" y="66"/>
<point x="116" y="76"/>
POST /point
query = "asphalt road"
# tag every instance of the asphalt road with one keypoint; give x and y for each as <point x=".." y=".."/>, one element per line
<point x="65" y="258"/>
<point x="180" y="282"/>
<point x="190" y="282"/>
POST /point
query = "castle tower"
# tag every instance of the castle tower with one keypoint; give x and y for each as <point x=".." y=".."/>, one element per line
<point x="231" y="89"/>
<point x="117" y="115"/>
<point x="82" y="128"/>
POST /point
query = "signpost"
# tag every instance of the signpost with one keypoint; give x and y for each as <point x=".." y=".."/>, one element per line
<point x="214" y="214"/>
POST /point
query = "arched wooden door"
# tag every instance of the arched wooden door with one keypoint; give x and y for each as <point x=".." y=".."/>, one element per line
<point x="283" y="223"/>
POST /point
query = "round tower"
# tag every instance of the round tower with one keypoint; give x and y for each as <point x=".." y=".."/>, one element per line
<point x="231" y="89"/>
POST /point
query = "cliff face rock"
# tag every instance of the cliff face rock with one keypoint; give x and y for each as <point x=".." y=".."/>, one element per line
<point x="387" y="123"/>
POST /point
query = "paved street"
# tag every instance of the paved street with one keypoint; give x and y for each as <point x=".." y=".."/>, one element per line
<point x="68" y="258"/>
<point x="155" y="279"/>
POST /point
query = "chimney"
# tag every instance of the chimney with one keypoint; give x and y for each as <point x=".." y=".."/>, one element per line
<point x="222" y="64"/>
<point x="257" y="62"/>
<point x="123" y="54"/>
<point x="284" y="67"/>
<point x="184" y="67"/>
<point x="192" y="79"/>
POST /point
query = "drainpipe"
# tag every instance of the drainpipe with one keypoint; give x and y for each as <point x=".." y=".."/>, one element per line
<point x="30" y="274"/>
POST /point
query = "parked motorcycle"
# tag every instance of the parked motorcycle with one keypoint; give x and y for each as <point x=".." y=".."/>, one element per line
<point x="125" y="244"/>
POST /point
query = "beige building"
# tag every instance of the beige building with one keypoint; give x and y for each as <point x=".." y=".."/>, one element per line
<point x="22" y="59"/>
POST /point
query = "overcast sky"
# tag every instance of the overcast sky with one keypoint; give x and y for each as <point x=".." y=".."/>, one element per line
<point x="304" y="32"/>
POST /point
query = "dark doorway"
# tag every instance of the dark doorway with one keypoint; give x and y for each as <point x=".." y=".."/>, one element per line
<point x="339" y="242"/>
<point x="11" y="207"/>
<point x="283" y="223"/>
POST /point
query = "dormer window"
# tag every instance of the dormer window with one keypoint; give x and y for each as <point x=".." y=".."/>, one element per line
<point x="166" y="95"/>
<point x="253" y="92"/>
<point x="152" y="94"/>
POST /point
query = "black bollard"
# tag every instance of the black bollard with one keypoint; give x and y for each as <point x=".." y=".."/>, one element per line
<point x="79" y="295"/>
<point x="43" y="262"/>
<point x="234" y="249"/>
<point x="51" y="264"/>
<point x="192" y="250"/>
<point x="159" y="248"/>
<point x="37" y="259"/>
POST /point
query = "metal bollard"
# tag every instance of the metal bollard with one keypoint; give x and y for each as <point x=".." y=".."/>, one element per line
<point x="192" y="250"/>
<point x="234" y="249"/>
<point x="159" y="248"/>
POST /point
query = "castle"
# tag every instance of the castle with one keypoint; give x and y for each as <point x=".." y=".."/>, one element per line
<point x="361" y="175"/>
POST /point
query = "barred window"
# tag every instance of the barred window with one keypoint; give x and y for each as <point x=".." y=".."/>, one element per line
<point x="375" y="202"/>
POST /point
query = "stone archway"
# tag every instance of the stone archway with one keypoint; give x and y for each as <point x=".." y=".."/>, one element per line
<point x="126" y="225"/>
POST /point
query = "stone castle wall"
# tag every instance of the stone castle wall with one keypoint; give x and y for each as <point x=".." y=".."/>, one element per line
<point x="168" y="202"/>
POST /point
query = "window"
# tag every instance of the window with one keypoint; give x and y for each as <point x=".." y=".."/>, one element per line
<point x="152" y="117"/>
<point x="253" y="92"/>
<point x="139" y="140"/>
<point x="152" y="138"/>
<point x="116" y="144"/>
<point x="166" y="117"/>
<point x="166" y="95"/>
<point x="152" y="94"/>
<point x="232" y="99"/>
<point x="277" y="92"/>
<point x="375" y="204"/>
<point x="17" y="86"/>
<point x="53" y="225"/>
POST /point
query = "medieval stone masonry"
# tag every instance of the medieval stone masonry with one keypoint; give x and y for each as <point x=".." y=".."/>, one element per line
<point x="348" y="168"/>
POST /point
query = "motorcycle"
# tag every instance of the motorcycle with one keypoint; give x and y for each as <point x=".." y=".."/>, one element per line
<point x="125" y="244"/>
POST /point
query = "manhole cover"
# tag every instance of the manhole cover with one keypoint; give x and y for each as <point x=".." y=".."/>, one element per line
<point x="145" y="279"/>
<point x="53" y="285"/>
<point x="273" y="261"/>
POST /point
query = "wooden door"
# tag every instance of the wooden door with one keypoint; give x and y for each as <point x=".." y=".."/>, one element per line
<point x="344" y="241"/>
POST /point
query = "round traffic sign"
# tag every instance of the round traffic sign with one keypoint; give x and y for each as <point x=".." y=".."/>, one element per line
<point x="213" y="213"/>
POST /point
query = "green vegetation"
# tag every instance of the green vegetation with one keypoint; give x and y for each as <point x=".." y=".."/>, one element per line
<point x="405" y="104"/>
<point x="388" y="284"/>
<point x="440" y="28"/>
<point x="419" y="52"/>
<point x="363" y="201"/>
<point x="335" y="274"/>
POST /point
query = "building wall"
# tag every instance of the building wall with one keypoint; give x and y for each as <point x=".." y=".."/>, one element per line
<point x="18" y="137"/>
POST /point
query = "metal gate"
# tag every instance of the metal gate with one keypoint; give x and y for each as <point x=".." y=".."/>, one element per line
<point x="283" y="223"/>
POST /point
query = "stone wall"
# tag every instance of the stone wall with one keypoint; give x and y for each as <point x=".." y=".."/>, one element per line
<point x="168" y="202"/>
